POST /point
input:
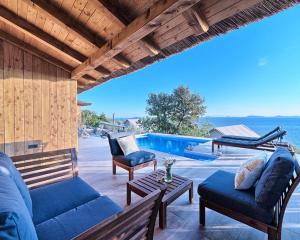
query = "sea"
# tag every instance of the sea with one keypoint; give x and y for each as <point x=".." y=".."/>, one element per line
<point x="262" y="125"/>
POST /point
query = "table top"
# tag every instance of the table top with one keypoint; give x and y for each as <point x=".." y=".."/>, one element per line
<point x="150" y="182"/>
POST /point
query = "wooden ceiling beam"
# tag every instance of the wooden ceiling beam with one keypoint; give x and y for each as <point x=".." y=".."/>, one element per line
<point x="196" y="19"/>
<point x="154" y="17"/>
<point x="123" y="20"/>
<point x="73" y="26"/>
<point x="46" y="39"/>
<point x="200" y="19"/>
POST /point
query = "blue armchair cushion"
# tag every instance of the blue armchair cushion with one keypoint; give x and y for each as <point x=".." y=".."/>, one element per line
<point x="6" y="163"/>
<point x="77" y="220"/>
<point x="54" y="199"/>
<point x="15" y="219"/>
<point x="275" y="178"/>
<point x="219" y="189"/>
<point x="135" y="158"/>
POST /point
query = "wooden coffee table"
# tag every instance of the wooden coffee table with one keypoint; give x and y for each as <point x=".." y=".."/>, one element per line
<point x="148" y="183"/>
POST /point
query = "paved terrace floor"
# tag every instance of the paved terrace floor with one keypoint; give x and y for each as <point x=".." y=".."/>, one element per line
<point x="182" y="221"/>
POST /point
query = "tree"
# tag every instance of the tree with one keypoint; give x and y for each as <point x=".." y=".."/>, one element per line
<point x="92" y="119"/>
<point x="175" y="113"/>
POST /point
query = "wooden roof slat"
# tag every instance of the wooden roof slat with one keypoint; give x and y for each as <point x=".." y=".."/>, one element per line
<point x="158" y="14"/>
<point x="24" y="26"/>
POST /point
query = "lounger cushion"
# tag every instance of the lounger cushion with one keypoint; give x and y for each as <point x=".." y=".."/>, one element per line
<point x="219" y="189"/>
<point x="135" y="158"/>
<point x="15" y="219"/>
<point x="77" y="220"/>
<point x="275" y="178"/>
<point x="54" y="199"/>
<point x="6" y="163"/>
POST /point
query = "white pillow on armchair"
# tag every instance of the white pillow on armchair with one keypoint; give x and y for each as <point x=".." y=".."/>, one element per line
<point x="128" y="144"/>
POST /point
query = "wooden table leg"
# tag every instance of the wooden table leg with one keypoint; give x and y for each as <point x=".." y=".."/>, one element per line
<point x="163" y="216"/>
<point x="191" y="194"/>
<point x="128" y="195"/>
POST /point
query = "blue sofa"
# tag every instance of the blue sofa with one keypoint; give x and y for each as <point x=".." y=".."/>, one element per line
<point x="61" y="210"/>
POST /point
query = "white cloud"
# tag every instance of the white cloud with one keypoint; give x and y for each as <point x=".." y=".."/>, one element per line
<point x="262" y="62"/>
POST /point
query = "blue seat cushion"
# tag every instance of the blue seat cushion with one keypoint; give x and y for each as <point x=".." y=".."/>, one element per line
<point x="275" y="178"/>
<point x="219" y="189"/>
<point x="77" y="220"/>
<point x="15" y="219"/>
<point x="54" y="199"/>
<point x="7" y="163"/>
<point x="135" y="158"/>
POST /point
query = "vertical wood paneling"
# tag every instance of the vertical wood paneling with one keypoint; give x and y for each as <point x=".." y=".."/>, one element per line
<point x="28" y="102"/>
<point x="19" y="101"/>
<point x="53" y="107"/>
<point x="46" y="106"/>
<point x="60" y="109"/>
<point x="67" y="126"/>
<point x="1" y="98"/>
<point x="9" y="96"/>
<point x="38" y="104"/>
<point x="73" y="112"/>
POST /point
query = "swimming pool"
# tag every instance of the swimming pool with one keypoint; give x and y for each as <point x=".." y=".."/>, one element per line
<point x="177" y="145"/>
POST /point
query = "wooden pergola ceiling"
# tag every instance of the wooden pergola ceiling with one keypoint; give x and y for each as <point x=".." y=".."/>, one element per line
<point x="96" y="40"/>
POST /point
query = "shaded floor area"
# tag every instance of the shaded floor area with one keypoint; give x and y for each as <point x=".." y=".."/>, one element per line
<point x="182" y="220"/>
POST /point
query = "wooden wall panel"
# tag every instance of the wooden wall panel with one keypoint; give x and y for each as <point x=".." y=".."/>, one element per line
<point x="28" y="103"/>
<point x="9" y="100"/>
<point x="37" y="104"/>
<point x="1" y="98"/>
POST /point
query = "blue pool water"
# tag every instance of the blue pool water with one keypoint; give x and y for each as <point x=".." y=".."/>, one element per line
<point x="173" y="144"/>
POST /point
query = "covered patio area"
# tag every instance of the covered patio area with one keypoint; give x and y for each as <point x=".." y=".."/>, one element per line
<point x="53" y="50"/>
<point x="94" y="161"/>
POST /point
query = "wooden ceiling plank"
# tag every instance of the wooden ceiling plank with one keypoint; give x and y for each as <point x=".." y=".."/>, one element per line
<point x="65" y="19"/>
<point x="22" y="25"/>
<point x="73" y="25"/>
<point x="110" y="9"/>
<point x="26" y="47"/>
<point x="143" y="25"/>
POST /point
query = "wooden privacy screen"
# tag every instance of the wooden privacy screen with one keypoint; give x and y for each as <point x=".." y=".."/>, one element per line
<point x="38" y="169"/>
<point x="37" y="104"/>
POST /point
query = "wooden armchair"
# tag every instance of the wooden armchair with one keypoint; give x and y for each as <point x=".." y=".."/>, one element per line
<point x="271" y="225"/>
<point x="137" y="160"/>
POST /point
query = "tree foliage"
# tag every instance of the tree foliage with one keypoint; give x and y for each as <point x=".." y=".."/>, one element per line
<point x="92" y="119"/>
<point x="175" y="113"/>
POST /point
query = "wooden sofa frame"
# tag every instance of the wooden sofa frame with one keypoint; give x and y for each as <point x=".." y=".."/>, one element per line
<point x="135" y="222"/>
<point x="131" y="170"/>
<point x="273" y="230"/>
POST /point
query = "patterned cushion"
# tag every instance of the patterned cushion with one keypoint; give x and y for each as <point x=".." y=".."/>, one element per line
<point x="249" y="172"/>
<point x="275" y="178"/>
<point x="128" y="144"/>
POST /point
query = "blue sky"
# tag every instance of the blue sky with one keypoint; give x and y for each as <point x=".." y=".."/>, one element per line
<point x="251" y="71"/>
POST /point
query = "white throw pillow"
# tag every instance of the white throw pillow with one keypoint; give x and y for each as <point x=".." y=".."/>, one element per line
<point x="249" y="172"/>
<point x="128" y="144"/>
